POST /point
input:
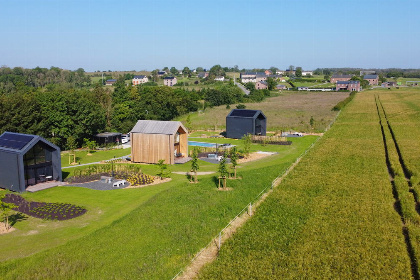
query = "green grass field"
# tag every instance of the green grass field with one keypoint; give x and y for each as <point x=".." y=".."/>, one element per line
<point x="332" y="218"/>
<point x="96" y="156"/>
<point x="289" y="111"/>
<point x="145" y="233"/>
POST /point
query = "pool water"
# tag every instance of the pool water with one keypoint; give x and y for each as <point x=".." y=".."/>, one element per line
<point x="201" y="144"/>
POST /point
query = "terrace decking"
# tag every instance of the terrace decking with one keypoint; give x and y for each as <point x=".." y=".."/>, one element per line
<point x="45" y="185"/>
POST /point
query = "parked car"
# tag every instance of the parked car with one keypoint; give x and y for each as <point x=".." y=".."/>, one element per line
<point x="124" y="140"/>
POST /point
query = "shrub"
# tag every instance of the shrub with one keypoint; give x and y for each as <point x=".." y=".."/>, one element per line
<point x="140" y="179"/>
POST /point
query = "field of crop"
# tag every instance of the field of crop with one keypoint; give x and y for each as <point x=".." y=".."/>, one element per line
<point x="289" y="111"/>
<point x="145" y="233"/>
<point x="337" y="215"/>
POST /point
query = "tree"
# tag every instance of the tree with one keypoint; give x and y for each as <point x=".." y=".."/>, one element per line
<point x="5" y="209"/>
<point x="199" y="69"/>
<point x="186" y="71"/>
<point x="194" y="164"/>
<point x="327" y="77"/>
<point x="312" y="122"/>
<point x="163" y="169"/>
<point x="291" y="68"/>
<point x="250" y="86"/>
<point x="216" y="70"/>
<point x="298" y="72"/>
<point x="234" y="159"/>
<point x="271" y="83"/>
<point x="90" y="144"/>
<point x="223" y="171"/>
<point x="246" y="140"/>
<point x="174" y="71"/>
<point x="273" y="69"/>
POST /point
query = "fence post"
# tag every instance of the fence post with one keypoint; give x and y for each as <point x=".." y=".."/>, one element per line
<point x="250" y="209"/>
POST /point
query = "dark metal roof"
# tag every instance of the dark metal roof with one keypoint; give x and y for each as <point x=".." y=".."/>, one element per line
<point x="370" y="77"/>
<point x="244" y="113"/>
<point x="107" y="134"/>
<point x="347" y="82"/>
<point x="15" y="141"/>
<point x="168" y="78"/>
<point x="140" y="77"/>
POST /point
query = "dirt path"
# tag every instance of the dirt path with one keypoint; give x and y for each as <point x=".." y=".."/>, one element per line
<point x="209" y="253"/>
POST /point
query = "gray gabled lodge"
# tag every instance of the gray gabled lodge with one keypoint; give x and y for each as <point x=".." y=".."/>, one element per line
<point x="27" y="160"/>
<point x="240" y="122"/>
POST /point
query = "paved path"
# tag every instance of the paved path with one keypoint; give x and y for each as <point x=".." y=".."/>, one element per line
<point x="97" y="162"/>
<point x="242" y="88"/>
<point x="192" y="173"/>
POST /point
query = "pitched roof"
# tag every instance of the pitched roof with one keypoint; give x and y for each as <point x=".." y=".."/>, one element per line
<point x="140" y="77"/>
<point x="111" y="80"/>
<point x="169" y="78"/>
<point x="347" y="82"/>
<point x="244" y="113"/>
<point x="370" y="77"/>
<point x="342" y="76"/>
<point x="20" y="143"/>
<point x="157" y="127"/>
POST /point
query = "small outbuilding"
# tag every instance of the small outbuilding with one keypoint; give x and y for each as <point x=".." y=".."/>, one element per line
<point x="27" y="160"/>
<point x="106" y="138"/>
<point x="152" y="141"/>
<point x="240" y="122"/>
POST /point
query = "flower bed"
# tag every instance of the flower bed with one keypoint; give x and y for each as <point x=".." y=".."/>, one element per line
<point x="44" y="210"/>
<point x="140" y="179"/>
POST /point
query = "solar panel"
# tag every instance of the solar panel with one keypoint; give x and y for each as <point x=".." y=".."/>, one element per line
<point x="14" y="141"/>
<point x="243" y="113"/>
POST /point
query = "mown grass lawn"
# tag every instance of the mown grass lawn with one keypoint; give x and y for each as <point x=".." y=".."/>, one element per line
<point x="147" y="233"/>
<point x="333" y="217"/>
<point x="82" y="157"/>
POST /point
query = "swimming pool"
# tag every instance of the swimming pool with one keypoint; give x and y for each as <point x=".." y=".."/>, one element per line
<point x="201" y="144"/>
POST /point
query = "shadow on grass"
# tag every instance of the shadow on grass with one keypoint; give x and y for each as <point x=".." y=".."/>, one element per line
<point x="65" y="174"/>
<point x="18" y="217"/>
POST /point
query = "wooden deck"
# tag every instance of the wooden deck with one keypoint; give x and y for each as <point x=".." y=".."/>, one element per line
<point x="45" y="185"/>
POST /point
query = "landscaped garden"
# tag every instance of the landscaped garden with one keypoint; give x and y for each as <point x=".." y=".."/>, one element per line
<point x="147" y="233"/>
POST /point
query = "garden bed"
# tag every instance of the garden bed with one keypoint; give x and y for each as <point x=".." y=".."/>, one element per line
<point x="44" y="210"/>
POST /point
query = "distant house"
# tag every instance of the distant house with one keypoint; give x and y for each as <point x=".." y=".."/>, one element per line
<point x="279" y="72"/>
<point x="110" y="82"/>
<point x="372" y="79"/>
<point x="152" y="141"/>
<point x="268" y="72"/>
<point x="260" y="76"/>
<point x="307" y="73"/>
<point x="27" y="160"/>
<point x="248" y="77"/>
<point x="389" y="84"/>
<point x="203" y="75"/>
<point x="347" y="85"/>
<point x="342" y="78"/>
<point x="290" y="72"/>
<point x="277" y="77"/>
<point x="161" y="73"/>
<point x="219" y="78"/>
<point x="261" y="85"/>
<point x="281" y="87"/>
<point x="141" y="79"/>
<point x="367" y="72"/>
<point x="240" y="122"/>
<point x="169" y="81"/>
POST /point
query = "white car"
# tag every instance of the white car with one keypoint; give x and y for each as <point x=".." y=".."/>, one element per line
<point x="124" y="140"/>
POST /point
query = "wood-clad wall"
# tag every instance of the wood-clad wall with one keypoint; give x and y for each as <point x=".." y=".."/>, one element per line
<point x="150" y="148"/>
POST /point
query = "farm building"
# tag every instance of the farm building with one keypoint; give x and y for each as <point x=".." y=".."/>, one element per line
<point x="27" y="160"/>
<point x="110" y="82"/>
<point x="240" y="122"/>
<point x="152" y="141"/>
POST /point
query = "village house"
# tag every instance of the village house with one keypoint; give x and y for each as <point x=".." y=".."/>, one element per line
<point x="372" y="79"/>
<point x="248" y="77"/>
<point x="268" y="72"/>
<point x="141" y="79"/>
<point x="110" y="82"/>
<point x="307" y="73"/>
<point x="260" y="76"/>
<point x="169" y="81"/>
<point x="261" y="85"/>
<point x="203" y="75"/>
<point x="342" y="78"/>
<point x="219" y="78"/>
<point x="389" y="84"/>
<point x="281" y="87"/>
<point x="348" y="85"/>
<point x="161" y="73"/>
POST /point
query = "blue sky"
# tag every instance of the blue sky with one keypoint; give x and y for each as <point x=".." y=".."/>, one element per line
<point x="145" y="35"/>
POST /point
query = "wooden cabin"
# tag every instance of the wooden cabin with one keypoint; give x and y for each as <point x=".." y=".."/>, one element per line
<point x="152" y="141"/>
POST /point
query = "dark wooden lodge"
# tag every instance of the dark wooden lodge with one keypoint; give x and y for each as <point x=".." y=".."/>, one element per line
<point x="240" y="122"/>
<point x="27" y="160"/>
